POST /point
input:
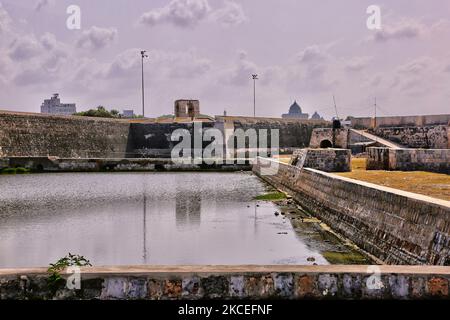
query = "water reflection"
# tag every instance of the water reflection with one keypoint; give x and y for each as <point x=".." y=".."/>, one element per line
<point x="188" y="209"/>
<point x="143" y="218"/>
<point x="144" y="224"/>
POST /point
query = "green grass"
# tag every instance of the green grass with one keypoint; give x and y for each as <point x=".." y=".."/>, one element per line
<point x="273" y="196"/>
<point x="345" y="257"/>
<point x="431" y="184"/>
<point x="18" y="170"/>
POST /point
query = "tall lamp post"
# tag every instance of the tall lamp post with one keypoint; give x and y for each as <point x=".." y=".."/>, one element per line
<point x="255" y="77"/>
<point x="143" y="55"/>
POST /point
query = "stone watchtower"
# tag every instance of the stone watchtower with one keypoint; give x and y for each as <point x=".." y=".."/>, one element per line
<point x="187" y="108"/>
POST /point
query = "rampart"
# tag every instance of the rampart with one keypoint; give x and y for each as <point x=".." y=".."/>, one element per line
<point x="427" y="137"/>
<point x="38" y="135"/>
<point x="433" y="160"/>
<point x="401" y="121"/>
<point x="397" y="227"/>
<point x="328" y="160"/>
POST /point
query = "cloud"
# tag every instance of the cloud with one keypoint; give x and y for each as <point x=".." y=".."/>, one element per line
<point x="5" y="20"/>
<point x="124" y="64"/>
<point x="181" y="13"/>
<point x="405" y="29"/>
<point x="48" y="41"/>
<point x="40" y="4"/>
<point x="97" y="38"/>
<point x="163" y="65"/>
<point x="34" y="75"/>
<point x="36" y="61"/>
<point x="357" y="63"/>
<point x="24" y="48"/>
<point x="415" y="67"/>
<point x="311" y="54"/>
<point x="231" y="14"/>
<point x="420" y="76"/>
<point x="185" y="65"/>
<point x="239" y="73"/>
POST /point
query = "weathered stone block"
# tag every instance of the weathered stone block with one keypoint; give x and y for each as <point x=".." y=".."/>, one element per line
<point x="399" y="286"/>
<point x="115" y="288"/>
<point x="155" y="289"/>
<point x="215" y="286"/>
<point x="191" y="287"/>
<point x="418" y="288"/>
<point x="91" y="288"/>
<point x="328" y="284"/>
<point x="173" y="288"/>
<point x="351" y="285"/>
<point x="375" y="286"/>
<point x="237" y="286"/>
<point x="437" y="287"/>
<point x="284" y="285"/>
<point x="259" y="286"/>
<point x="306" y="286"/>
<point x="10" y="289"/>
<point x="137" y="288"/>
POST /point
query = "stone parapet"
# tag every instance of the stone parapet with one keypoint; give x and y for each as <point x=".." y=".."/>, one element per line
<point x="433" y="160"/>
<point x="234" y="282"/>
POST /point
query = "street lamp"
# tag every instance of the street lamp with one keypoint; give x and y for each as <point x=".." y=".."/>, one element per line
<point x="143" y="55"/>
<point x="255" y="77"/>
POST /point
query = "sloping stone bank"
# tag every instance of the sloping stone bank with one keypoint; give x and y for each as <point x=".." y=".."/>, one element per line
<point x="396" y="226"/>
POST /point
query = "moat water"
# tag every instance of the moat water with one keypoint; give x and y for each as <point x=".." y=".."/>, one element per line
<point x="155" y="218"/>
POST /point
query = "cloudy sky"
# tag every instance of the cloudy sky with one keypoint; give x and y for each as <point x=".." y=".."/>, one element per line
<point x="208" y="49"/>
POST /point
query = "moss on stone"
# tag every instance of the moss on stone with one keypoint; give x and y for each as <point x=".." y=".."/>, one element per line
<point x="347" y="257"/>
<point x="18" y="170"/>
<point x="273" y="196"/>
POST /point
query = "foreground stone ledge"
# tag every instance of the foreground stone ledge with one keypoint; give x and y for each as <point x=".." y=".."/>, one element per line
<point x="235" y="282"/>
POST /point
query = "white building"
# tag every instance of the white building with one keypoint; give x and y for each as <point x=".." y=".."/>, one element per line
<point x="128" y="113"/>
<point x="54" y="106"/>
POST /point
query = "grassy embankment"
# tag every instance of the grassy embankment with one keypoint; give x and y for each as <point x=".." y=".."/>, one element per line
<point x="15" y="170"/>
<point x="431" y="184"/>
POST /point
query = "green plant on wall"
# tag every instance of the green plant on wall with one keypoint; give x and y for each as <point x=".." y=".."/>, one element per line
<point x="55" y="280"/>
<point x="18" y="170"/>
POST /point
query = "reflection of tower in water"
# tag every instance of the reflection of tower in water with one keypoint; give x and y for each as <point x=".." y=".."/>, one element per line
<point x="188" y="208"/>
<point x="145" y="230"/>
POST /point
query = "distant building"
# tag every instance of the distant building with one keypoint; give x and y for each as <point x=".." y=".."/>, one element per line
<point x="187" y="108"/>
<point x="316" y="116"/>
<point x="128" y="114"/>
<point x="54" y="106"/>
<point x="295" y="112"/>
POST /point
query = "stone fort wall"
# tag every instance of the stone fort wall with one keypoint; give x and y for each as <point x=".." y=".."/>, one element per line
<point x="233" y="282"/>
<point x="38" y="135"/>
<point x="400" y="121"/>
<point x="427" y="137"/>
<point x="328" y="160"/>
<point x="23" y="134"/>
<point x="433" y="160"/>
<point x="397" y="227"/>
<point x="294" y="133"/>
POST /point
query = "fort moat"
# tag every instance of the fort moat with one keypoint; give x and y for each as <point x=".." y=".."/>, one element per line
<point x="159" y="218"/>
